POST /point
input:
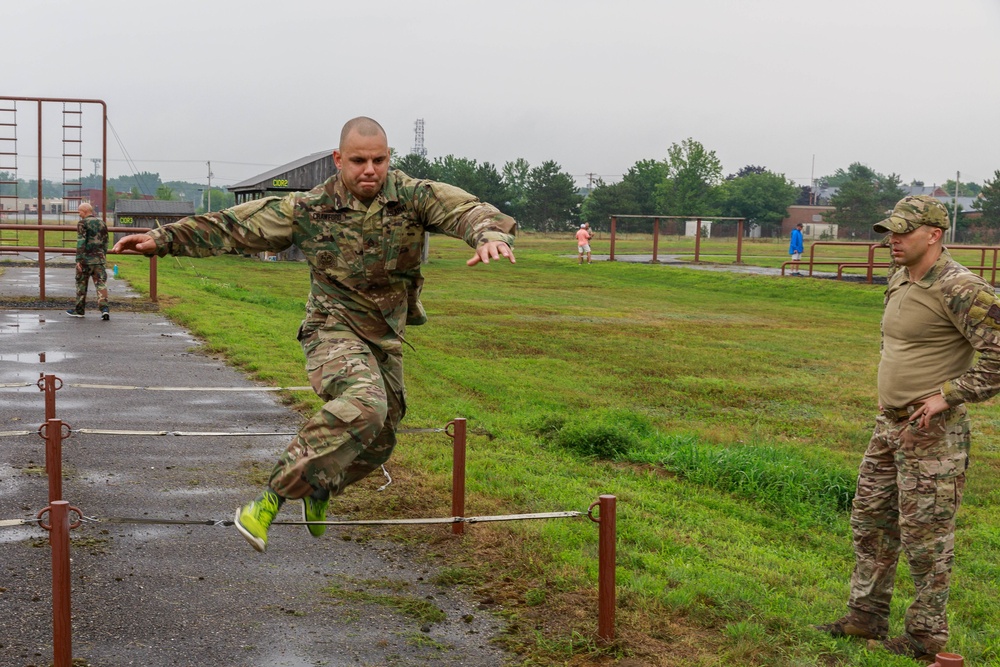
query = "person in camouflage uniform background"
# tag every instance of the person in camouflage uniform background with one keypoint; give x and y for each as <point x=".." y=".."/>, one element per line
<point x="938" y="316"/>
<point x="362" y="233"/>
<point x="91" y="251"/>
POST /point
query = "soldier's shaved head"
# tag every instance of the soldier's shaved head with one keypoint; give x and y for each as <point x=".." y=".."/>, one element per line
<point x="363" y="125"/>
<point x="86" y="210"/>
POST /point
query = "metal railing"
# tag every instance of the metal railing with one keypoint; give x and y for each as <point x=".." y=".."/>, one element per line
<point x="984" y="267"/>
<point x="42" y="249"/>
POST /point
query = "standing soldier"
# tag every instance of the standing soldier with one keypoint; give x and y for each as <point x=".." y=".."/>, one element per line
<point x="938" y="316"/>
<point x="362" y="232"/>
<point x="91" y="250"/>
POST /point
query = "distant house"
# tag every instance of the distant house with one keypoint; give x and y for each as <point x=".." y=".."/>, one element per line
<point x="927" y="190"/>
<point x="149" y="213"/>
<point x="811" y="217"/>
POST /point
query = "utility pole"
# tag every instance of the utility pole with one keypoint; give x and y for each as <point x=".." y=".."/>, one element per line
<point x="954" y="207"/>
<point x="97" y="164"/>
<point x="209" y="163"/>
<point x="812" y="183"/>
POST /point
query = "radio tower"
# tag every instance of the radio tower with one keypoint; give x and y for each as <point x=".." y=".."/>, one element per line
<point x="418" y="141"/>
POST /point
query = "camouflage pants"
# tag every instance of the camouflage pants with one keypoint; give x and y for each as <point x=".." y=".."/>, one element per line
<point x="355" y="431"/>
<point x="84" y="274"/>
<point x="909" y="489"/>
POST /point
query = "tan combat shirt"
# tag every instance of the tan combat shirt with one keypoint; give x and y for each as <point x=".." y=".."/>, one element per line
<point x="931" y="331"/>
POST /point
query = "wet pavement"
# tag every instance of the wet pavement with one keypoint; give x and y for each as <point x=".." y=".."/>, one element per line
<point x="192" y="594"/>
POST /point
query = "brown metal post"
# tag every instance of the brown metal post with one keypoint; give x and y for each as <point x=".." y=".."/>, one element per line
<point x="871" y="263"/>
<point x="62" y="629"/>
<point x="606" y="569"/>
<point x="739" y="241"/>
<point x="614" y="227"/>
<point x="104" y="164"/>
<point x="53" y="457"/>
<point x="152" y="279"/>
<point x="697" y="242"/>
<point x="41" y="235"/>
<point x="458" y="476"/>
<point x="50" y="397"/>
<point x="656" y="238"/>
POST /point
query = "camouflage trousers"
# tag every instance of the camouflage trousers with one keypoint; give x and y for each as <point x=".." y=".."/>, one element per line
<point x="84" y="274"/>
<point x="909" y="489"/>
<point x="355" y="431"/>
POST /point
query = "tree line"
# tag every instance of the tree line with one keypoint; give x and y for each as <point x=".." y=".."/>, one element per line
<point x="688" y="182"/>
<point x="136" y="186"/>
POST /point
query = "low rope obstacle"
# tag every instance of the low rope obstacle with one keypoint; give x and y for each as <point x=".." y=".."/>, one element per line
<point x="54" y="431"/>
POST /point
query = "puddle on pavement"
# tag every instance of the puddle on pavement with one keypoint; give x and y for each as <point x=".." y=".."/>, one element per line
<point x="20" y="534"/>
<point x="11" y="480"/>
<point x="194" y="491"/>
<point x="35" y="357"/>
<point x="16" y="322"/>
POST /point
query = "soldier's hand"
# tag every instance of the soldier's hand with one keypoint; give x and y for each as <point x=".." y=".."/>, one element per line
<point x="142" y="243"/>
<point x="930" y="407"/>
<point x="491" y="250"/>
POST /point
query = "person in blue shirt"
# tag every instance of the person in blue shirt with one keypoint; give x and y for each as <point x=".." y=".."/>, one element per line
<point x="796" y="248"/>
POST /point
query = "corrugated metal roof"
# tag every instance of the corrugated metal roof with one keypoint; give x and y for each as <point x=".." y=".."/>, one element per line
<point x="154" y="207"/>
<point x="263" y="181"/>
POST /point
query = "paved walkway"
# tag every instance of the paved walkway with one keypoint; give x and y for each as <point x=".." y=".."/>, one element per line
<point x="186" y="594"/>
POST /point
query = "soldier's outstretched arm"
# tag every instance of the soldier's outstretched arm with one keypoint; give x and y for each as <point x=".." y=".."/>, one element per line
<point x="142" y="243"/>
<point x="491" y="250"/>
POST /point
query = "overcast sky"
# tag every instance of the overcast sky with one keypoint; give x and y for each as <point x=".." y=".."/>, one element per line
<point x="910" y="87"/>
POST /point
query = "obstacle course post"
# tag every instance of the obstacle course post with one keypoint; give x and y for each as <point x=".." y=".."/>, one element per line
<point x="458" y="475"/>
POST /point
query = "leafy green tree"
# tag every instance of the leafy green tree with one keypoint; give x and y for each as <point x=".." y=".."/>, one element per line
<point x="692" y="176"/>
<point x="969" y="189"/>
<point x="553" y="203"/>
<point x="165" y="193"/>
<point x="635" y="194"/>
<point x="8" y="188"/>
<point x="490" y="186"/>
<point x="515" y="180"/>
<point x="834" y="180"/>
<point x="863" y="199"/>
<point x="988" y="202"/>
<point x="144" y="183"/>
<point x="458" y="171"/>
<point x="604" y="201"/>
<point x="220" y="199"/>
<point x="482" y="180"/>
<point x="641" y="183"/>
<point x="415" y="165"/>
<point x="759" y="196"/>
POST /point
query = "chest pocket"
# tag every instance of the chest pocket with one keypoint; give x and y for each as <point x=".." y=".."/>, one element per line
<point x="406" y="243"/>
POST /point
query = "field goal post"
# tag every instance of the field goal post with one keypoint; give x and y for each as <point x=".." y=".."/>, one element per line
<point x="697" y="238"/>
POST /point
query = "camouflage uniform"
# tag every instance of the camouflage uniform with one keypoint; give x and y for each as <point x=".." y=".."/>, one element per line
<point x="911" y="479"/>
<point x="365" y="288"/>
<point x="91" y="249"/>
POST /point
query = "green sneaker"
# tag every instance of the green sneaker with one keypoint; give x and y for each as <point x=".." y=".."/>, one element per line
<point x="314" y="509"/>
<point x="253" y="519"/>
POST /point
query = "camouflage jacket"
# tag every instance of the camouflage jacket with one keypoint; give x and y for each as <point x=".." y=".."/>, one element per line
<point x="91" y="241"/>
<point x="364" y="261"/>
<point x="972" y="307"/>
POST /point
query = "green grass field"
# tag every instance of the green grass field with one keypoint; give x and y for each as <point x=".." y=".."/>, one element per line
<point x="727" y="413"/>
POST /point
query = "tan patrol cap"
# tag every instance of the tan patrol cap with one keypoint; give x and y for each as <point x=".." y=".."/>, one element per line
<point x="912" y="212"/>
